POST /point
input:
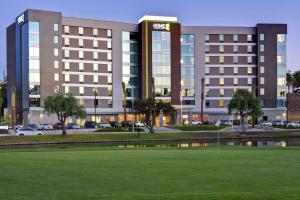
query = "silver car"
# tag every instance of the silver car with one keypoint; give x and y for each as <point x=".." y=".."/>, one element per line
<point x="104" y="125"/>
<point x="26" y="131"/>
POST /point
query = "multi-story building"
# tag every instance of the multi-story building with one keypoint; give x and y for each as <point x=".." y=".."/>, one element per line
<point x="49" y="53"/>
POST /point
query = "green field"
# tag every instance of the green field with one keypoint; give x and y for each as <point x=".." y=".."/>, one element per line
<point x="170" y="173"/>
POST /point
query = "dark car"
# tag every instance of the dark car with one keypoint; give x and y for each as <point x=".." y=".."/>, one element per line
<point x="57" y="125"/>
<point x="72" y="126"/>
<point x="33" y="126"/>
<point x="115" y="124"/>
<point x="90" y="124"/>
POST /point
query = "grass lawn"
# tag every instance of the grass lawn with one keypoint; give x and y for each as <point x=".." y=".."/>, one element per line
<point x="171" y="173"/>
<point x="199" y="128"/>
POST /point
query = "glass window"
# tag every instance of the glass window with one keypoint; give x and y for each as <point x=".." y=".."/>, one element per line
<point x="249" y="70"/>
<point x="221" y="70"/>
<point x="221" y="81"/>
<point x="221" y="37"/>
<point x="109" y="68"/>
<point x="67" y="77"/>
<point x="34" y="39"/>
<point x="81" y="66"/>
<point x="95" y="43"/>
<point x="55" y="27"/>
<point x="261" y="48"/>
<point x="95" y="31"/>
<point x="221" y="92"/>
<point x="67" y="65"/>
<point x="109" y="80"/>
<point x="108" y="33"/>
<point x="80" y="30"/>
<point x="109" y="44"/>
<point x="261" y="37"/>
<point x="235" y="37"/>
<point x="34" y="51"/>
<point x="281" y="71"/>
<point x="67" y="90"/>
<point x="55" y="39"/>
<point x="206" y="36"/>
<point x="235" y="70"/>
<point x="80" y="42"/>
<point x="125" y="35"/>
<point x="80" y="54"/>
<point x="262" y="91"/>
<point x="81" y="78"/>
<point x="235" y="59"/>
<point x="280" y="59"/>
<point x="81" y="90"/>
<point x="187" y="38"/>
<point x="221" y="49"/>
<point x="262" y="80"/>
<point x="206" y="70"/>
<point x="281" y="81"/>
<point x="95" y="67"/>
<point x="262" y="59"/>
<point x="249" y="49"/>
<point x="108" y="55"/>
<point x="34" y="27"/>
<point x="262" y="69"/>
<point x="280" y="38"/>
<point x="221" y="59"/>
<point x="95" y="78"/>
<point x="235" y="81"/>
<point x="206" y="59"/>
<point x="66" y="29"/>
<point x="56" y="77"/>
<point x="249" y="38"/>
<point x="249" y="81"/>
<point x="206" y="81"/>
<point x="55" y="51"/>
<point x="34" y="64"/>
<point x="221" y="103"/>
<point x="249" y="59"/>
<point x="206" y="48"/>
<point x="235" y="48"/>
<point x="66" y="41"/>
<point x="56" y="64"/>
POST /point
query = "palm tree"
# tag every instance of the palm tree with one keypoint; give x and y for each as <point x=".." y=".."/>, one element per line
<point x="290" y="81"/>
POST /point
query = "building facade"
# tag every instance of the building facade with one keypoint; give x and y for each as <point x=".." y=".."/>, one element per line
<point x="48" y="53"/>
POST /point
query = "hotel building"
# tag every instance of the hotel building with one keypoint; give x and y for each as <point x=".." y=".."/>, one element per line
<point x="49" y="53"/>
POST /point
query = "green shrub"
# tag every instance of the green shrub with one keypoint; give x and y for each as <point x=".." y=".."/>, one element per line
<point x="199" y="128"/>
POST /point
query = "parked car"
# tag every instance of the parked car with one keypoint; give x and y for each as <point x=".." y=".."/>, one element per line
<point x="139" y="124"/>
<point x="285" y="123"/>
<point x="73" y="126"/>
<point x="195" y="122"/>
<point x="90" y="124"/>
<point x="57" y="126"/>
<point x="27" y="131"/>
<point x="115" y="124"/>
<point x="293" y="124"/>
<point x="226" y="123"/>
<point x="34" y="126"/>
<point x="277" y="123"/>
<point x="45" y="127"/>
<point x="104" y="125"/>
<point x="266" y="123"/>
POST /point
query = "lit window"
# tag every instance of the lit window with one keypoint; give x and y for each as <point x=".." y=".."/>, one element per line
<point x="250" y="90"/>
<point x="81" y="78"/>
<point x="108" y="33"/>
<point x="262" y="69"/>
<point x="95" y="43"/>
<point x="221" y="37"/>
<point x="249" y="59"/>
<point x="55" y="51"/>
<point x="261" y="48"/>
<point x="67" y="90"/>
<point x="95" y="31"/>
<point x="95" y="78"/>
<point x="221" y="70"/>
<point x="221" y="59"/>
<point x="81" y="54"/>
<point x="249" y="70"/>
<point x="206" y="81"/>
<point x="109" y="44"/>
<point x="221" y="49"/>
<point x="80" y="42"/>
<point x="95" y="55"/>
<point x="235" y="37"/>
<point x="206" y="70"/>
<point x="109" y="80"/>
<point x="249" y="38"/>
<point x="56" y="77"/>
<point x="67" y="78"/>
<point x="249" y="81"/>
<point x="56" y="89"/>
<point x="262" y="59"/>
<point x="235" y="59"/>
<point x="261" y="37"/>
<point x="109" y="68"/>
<point x="280" y="38"/>
<point x="221" y="103"/>
<point x="281" y="81"/>
<point x="221" y="92"/>
<point x="235" y="48"/>
<point x="262" y="80"/>
<point x="108" y="56"/>
<point x="55" y="39"/>
<point x="235" y="70"/>
<point x="206" y="92"/>
<point x="81" y="90"/>
<point x="67" y="41"/>
<point x="235" y="81"/>
<point x="66" y="29"/>
<point x="262" y="91"/>
<point x="67" y="66"/>
<point x="55" y="27"/>
<point x="206" y="59"/>
<point x="80" y="30"/>
<point x="280" y="59"/>
<point x="249" y="49"/>
<point x="81" y="66"/>
<point x="206" y="36"/>
<point x="56" y="64"/>
<point x="95" y="67"/>
<point x="206" y="48"/>
<point x="221" y="81"/>
<point x="81" y="102"/>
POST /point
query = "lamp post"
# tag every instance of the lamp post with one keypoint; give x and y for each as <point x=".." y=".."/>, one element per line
<point x="181" y="118"/>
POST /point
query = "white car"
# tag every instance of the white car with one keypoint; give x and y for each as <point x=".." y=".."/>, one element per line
<point x="26" y="131"/>
<point x="104" y="125"/>
<point x="293" y="124"/>
<point x="266" y="123"/>
<point x="45" y="127"/>
<point x="194" y="122"/>
<point x="139" y="124"/>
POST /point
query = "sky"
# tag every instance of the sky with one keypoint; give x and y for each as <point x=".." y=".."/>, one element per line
<point x="189" y="12"/>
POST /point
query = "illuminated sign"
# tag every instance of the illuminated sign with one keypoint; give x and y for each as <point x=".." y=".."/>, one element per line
<point x="21" y="19"/>
<point x="161" y="26"/>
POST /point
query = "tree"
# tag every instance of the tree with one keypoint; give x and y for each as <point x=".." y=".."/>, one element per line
<point x="63" y="106"/>
<point x="296" y="76"/>
<point x="244" y="104"/>
<point x="289" y="80"/>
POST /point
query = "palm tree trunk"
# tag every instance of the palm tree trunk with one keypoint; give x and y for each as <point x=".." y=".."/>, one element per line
<point x="63" y="128"/>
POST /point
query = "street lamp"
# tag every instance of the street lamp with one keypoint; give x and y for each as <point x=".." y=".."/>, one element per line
<point x="181" y="118"/>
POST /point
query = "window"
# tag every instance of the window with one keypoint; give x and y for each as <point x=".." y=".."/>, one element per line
<point x="235" y="70"/>
<point x="262" y="91"/>
<point x="95" y="67"/>
<point x="109" y="44"/>
<point x="67" y="66"/>
<point x="67" y="90"/>
<point x="56" y="77"/>
<point x="207" y="104"/>
<point x="95" y="31"/>
<point x="81" y="66"/>
<point x="56" y="64"/>
<point x="109" y="80"/>
<point x="261" y="37"/>
<point x="207" y="59"/>
<point x="206" y="36"/>
<point x="261" y="48"/>
<point x="66" y="41"/>
<point x="108" y="56"/>
<point x="95" y="78"/>
<point x="81" y="90"/>
<point x="250" y="90"/>
<point x="95" y="43"/>
<point x="67" y="78"/>
<point x="221" y="103"/>
<point x="55" y="39"/>
<point x="262" y="69"/>
<point x="221" y="49"/>
<point x="108" y="33"/>
<point x="281" y="81"/>
<point x="235" y="59"/>
<point x="221" y="92"/>
<point x="206" y="70"/>
<point x="249" y="70"/>
<point x="262" y="59"/>
<point x="80" y="42"/>
<point x="66" y="29"/>
<point x="80" y="30"/>
<point x="80" y="54"/>
<point x="280" y="38"/>
<point x="235" y="48"/>
<point x="221" y="70"/>
<point x="56" y="89"/>
<point x="81" y="78"/>
<point x="206" y="81"/>
<point x="221" y="81"/>
<point x="109" y="68"/>
<point x="235" y="37"/>
<point x="235" y="81"/>
<point x="55" y="27"/>
<point x="221" y="59"/>
<point x="262" y="80"/>
<point x="55" y="51"/>
<point x="249" y="38"/>
<point x="249" y="81"/>
<point x="249" y="49"/>
<point x="249" y="59"/>
<point x="221" y="38"/>
<point x="81" y="102"/>
<point x="280" y="59"/>
<point x="95" y="55"/>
